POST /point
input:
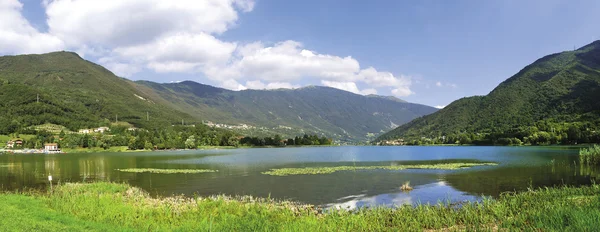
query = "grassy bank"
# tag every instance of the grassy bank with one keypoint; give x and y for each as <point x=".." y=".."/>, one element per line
<point x="109" y="207"/>
<point x="328" y="170"/>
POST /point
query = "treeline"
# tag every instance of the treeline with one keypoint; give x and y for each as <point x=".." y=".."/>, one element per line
<point x="542" y="133"/>
<point x="175" y="137"/>
<point x="306" y="140"/>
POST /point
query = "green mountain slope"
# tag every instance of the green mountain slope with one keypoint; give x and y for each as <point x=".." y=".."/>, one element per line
<point x="328" y="111"/>
<point x="72" y="92"/>
<point x="556" y="99"/>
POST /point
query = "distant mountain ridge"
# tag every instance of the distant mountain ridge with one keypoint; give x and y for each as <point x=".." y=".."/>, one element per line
<point x="313" y="109"/>
<point x="554" y="94"/>
<point x="79" y="94"/>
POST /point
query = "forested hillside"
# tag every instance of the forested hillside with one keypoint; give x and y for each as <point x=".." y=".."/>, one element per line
<point x="555" y="100"/>
<point x="62" y="88"/>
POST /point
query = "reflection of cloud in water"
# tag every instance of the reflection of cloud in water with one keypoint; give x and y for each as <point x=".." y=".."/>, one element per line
<point x="439" y="192"/>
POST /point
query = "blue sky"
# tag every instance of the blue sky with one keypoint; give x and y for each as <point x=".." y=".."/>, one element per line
<point x="429" y="52"/>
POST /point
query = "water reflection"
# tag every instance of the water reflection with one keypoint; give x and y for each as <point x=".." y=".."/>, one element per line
<point x="240" y="173"/>
<point x="436" y="193"/>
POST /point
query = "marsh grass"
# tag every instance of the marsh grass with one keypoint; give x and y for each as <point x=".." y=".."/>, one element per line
<point x="329" y="170"/>
<point x="166" y="171"/>
<point x="120" y="207"/>
<point x="590" y="156"/>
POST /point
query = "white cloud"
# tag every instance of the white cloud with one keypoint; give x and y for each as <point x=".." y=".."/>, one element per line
<point x="180" y="52"/>
<point x="119" y="68"/>
<point x="232" y="84"/>
<point x="274" y="85"/>
<point x="440" y="107"/>
<point x="348" y="86"/>
<point x="17" y="36"/>
<point x="440" y="84"/>
<point x="286" y="61"/>
<point x="182" y="36"/>
<point x="115" y="23"/>
<point x="289" y="61"/>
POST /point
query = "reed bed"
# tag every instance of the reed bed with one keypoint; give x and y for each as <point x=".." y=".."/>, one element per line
<point x="590" y="156"/>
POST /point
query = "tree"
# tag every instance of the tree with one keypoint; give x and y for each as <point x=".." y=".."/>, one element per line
<point x="233" y="141"/>
<point x="148" y="146"/>
<point x="190" y="143"/>
<point x="574" y="134"/>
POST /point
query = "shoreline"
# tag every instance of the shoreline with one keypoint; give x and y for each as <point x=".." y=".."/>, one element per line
<point x="105" y="206"/>
<point x="124" y="149"/>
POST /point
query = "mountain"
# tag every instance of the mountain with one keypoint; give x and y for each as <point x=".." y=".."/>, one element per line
<point x="62" y="88"/>
<point x="332" y="112"/>
<point x="556" y="98"/>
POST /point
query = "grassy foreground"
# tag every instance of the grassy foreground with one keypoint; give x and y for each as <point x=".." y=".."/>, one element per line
<point x="329" y="170"/>
<point x="120" y="207"/>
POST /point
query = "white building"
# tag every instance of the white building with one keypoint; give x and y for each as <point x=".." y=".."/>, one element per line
<point x="51" y="147"/>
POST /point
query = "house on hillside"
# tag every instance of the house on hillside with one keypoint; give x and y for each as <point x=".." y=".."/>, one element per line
<point x="84" y="131"/>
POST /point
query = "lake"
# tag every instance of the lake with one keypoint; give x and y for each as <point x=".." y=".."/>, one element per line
<point x="239" y="172"/>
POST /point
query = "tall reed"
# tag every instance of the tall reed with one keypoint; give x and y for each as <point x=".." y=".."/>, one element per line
<point x="590" y="156"/>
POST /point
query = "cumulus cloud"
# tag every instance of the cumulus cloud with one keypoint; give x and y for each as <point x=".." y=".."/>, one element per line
<point x="182" y="36"/>
<point x="179" y="52"/>
<point x="116" y="23"/>
<point x="17" y="36"/>
<point x="440" y="107"/>
<point x="348" y="86"/>
<point x="289" y="61"/>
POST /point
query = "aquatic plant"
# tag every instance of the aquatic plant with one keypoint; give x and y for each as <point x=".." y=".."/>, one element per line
<point x="166" y="171"/>
<point x="328" y="170"/>
<point x="590" y="156"/>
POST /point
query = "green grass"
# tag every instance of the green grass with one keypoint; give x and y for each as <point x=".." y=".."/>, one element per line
<point x="166" y="171"/>
<point x="329" y="170"/>
<point x="118" y="207"/>
<point x="590" y="156"/>
<point x="28" y="213"/>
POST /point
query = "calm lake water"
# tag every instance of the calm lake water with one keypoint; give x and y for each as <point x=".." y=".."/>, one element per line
<point x="239" y="172"/>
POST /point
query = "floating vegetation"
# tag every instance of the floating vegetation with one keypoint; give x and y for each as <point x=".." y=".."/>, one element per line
<point x="590" y="156"/>
<point x="166" y="171"/>
<point x="328" y="170"/>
